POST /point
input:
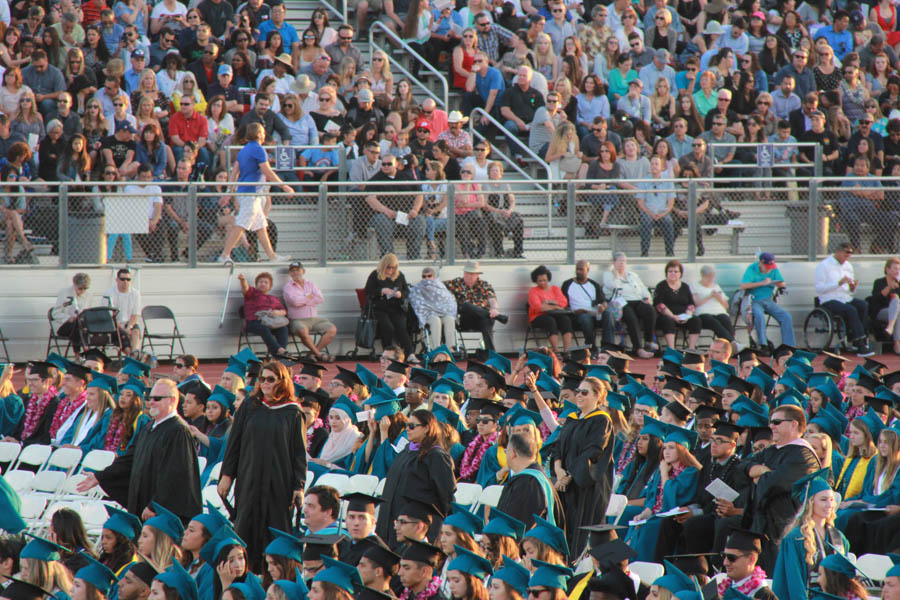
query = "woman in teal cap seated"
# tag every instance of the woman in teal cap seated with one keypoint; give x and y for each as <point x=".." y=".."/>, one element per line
<point x="510" y="582"/>
<point x="337" y="452"/>
<point x="812" y="538"/>
<point x="127" y="418"/>
<point x="250" y="589"/>
<point x="12" y="409"/>
<point x="284" y="556"/>
<point x="674" y="484"/>
<point x="543" y="543"/>
<point x="228" y="559"/>
<point x="232" y="378"/>
<point x="644" y="464"/>
<point x="548" y="582"/>
<point x="500" y="537"/>
<point x="837" y="576"/>
<point x="39" y="564"/>
<point x="862" y="450"/>
<point x="284" y="589"/>
<point x="160" y="537"/>
<point x="891" y="589"/>
<point x="94" y="581"/>
<point x="673" y="583"/>
<point x="219" y="407"/>
<point x="458" y="531"/>
<point x="881" y="487"/>
<point x="117" y="549"/>
<point x="387" y="425"/>
<point x="90" y="424"/>
<point x="466" y="573"/>
<point x="197" y="534"/>
<point x="337" y="581"/>
<point x="174" y="584"/>
<point x="643" y="406"/>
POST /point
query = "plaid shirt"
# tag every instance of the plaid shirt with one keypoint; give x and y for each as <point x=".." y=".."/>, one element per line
<point x="489" y="43"/>
<point x="479" y="294"/>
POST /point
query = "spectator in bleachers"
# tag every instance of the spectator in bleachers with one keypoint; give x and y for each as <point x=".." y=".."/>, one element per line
<point x="785" y="101"/>
<point x="204" y="69"/>
<point x="675" y="304"/>
<point x="759" y="281"/>
<point x="12" y="90"/>
<point x="679" y="141"/>
<point x="45" y="80"/>
<point x="501" y="218"/>
<point x="435" y="307"/>
<point x="187" y="88"/>
<point x="546" y="119"/>
<point x="127" y="300"/>
<point x="835" y="281"/>
<point x="459" y="142"/>
<point x="277" y="22"/>
<point x="586" y="300"/>
<point x="591" y="143"/>
<point x="188" y="125"/>
<point x="302" y="298"/>
<point x="634" y="103"/>
<point x="70" y="119"/>
<point x="463" y="57"/>
<point x="170" y="75"/>
<point x="435" y="117"/>
<point x="386" y="206"/>
<point x="484" y="87"/>
<point x="884" y="303"/>
<point x="343" y="46"/>
<point x="118" y="150"/>
<point x="320" y="70"/>
<point x="365" y="111"/>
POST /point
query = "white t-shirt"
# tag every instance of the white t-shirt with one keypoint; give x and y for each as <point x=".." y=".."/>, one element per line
<point x="581" y="296"/>
<point x="128" y="303"/>
<point x="161" y="9"/>
<point x="712" y="307"/>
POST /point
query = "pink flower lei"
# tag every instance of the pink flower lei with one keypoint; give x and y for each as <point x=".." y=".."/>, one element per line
<point x="757" y="578"/>
<point x="474" y="453"/>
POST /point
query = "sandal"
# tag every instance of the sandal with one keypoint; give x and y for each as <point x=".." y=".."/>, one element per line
<point x="328" y="357"/>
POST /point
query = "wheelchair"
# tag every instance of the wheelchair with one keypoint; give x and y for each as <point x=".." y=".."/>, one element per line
<point x="822" y="327"/>
<point x="753" y="344"/>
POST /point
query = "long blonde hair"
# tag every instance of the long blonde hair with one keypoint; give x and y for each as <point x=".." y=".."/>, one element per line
<point x="165" y="550"/>
<point x="884" y="465"/>
<point x="559" y="141"/>
<point x="542" y="59"/>
<point x="50" y="575"/>
<point x="385" y="72"/>
<point x="388" y="260"/>
<point x="6" y="385"/>
<point x="827" y="446"/>
<point x="563" y="87"/>
<point x="32" y="115"/>
<point x="804" y="522"/>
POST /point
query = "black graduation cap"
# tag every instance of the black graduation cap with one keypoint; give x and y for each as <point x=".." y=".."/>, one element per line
<point x="79" y="371"/>
<point x="316" y="546"/>
<point x="379" y="552"/>
<point x="424" y="377"/>
<point x="96" y="354"/>
<point x="360" y="502"/>
<point x="691" y="357"/>
<point x="879" y="404"/>
<point x="706" y="396"/>
<point x="495" y="409"/>
<point x="610" y="554"/>
<point x="834" y="362"/>
<point x="744" y="539"/>
<point x="514" y="392"/>
<point x="493" y="377"/>
<point x="602" y="533"/>
<point x="570" y="382"/>
<point x="676" y="384"/>
<point x="421" y="510"/>
<point x="367" y="593"/>
<point x="745" y="355"/>
<point x="19" y="589"/>
<point x="767" y="370"/>
<point x="867" y="381"/>
<point x="614" y="582"/>
<point x="312" y="369"/>
<point x="348" y="377"/>
<point x="41" y="369"/>
<point x="726" y="428"/>
<point x="760" y="433"/>
<point x="619" y="363"/>
<point x="705" y="411"/>
<point x="573" y="367"/>
<point x="874" y="365"/>
<point x="783" y="350"/>
<point x="692" y="564"/>
<point x="579" y="353"/>
<point x="421" y="552"/>
<point x="670" y="368"/>
<point x="197" y="388"/>
<point x="740" y="385"/>
<point x="605" y="347"/>
<point x="145" y="571"/>
<point x="319" y="396"/>
<point x="398" y="367"/>
<point x="677" y="408"/>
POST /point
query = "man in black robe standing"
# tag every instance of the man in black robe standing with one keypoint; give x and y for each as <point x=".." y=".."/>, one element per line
<point x="160" y="466"/>
<point x="774" y="471"/>
<point x="524" y="495"/>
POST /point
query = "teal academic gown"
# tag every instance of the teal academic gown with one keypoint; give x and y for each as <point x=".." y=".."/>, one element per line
<point x="379" y="462"/>
<point x="678" y="491"/>
<point x="488" y="469"/>
<point x="868" y="496"/>
<point x="791" y="575"/>
<point x="12" y="409"/>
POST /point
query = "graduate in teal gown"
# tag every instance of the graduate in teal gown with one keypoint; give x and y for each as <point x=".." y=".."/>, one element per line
<point x="207" y="579"/>
<point x="634" y="485"/>
<point x="12" y="409"/>
<point x="483" y="448"/>
<point x="387" y="435"/>
<point x="682" y="472"/>
<point x="337" y="452"/>
<point x="219" y="408"/>
<point x="794" y="569"/>
<point x="88" y="431"/>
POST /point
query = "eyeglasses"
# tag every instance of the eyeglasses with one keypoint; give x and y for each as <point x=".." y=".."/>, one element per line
<point x="267" y="379"/>
<point x="718" y="124"/>
<point x="660" y="19"/>
<point x="118" y="104"/>
<point x="346" y="38"/>
<point x="482" y="149"/>
<point x="697" y="145"/>
<point x="466" y="173"/>
<point x="485" y="420"/>
<point x="410" y="425"/>
<point x="777" y="422"/>
<point x="422" y="131"/>
<point x="205" y="52"/>
<point x="289" y="105"/>
<point x="732" y="557"/>
<point x="765" y="102"/>
<point x="179" y="365"/>
<point x="25" y="101"/>
<point x="635" y="44"/>
<point x="582" y="392"/>
<point x="557" y="11"/>
<point x="535" y="592"/>
<point x="324" y="98"/>
<point x="388" y="164"/>
<point x="124" y="278"/>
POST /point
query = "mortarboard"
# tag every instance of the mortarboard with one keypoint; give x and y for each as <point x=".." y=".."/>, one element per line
<point x="444" y="385"/>
<point x="99" y="575"/>
<point x="601" y="372"/>
<point x="79" y="371"/>
<point x="799" y="368"/>
<point x="680" y="435"/>
<point x="442" y="350"/>
<point x="19" y="589"/>
<point x="348" y="377"/>
<point x="124" y="522"/>
<point x="678" y="408"/>
<point x="722" y="366"/>
<point x="384" y="407"/>
<point x="810" y="485"/>
<point x="224" y="537"/>
<point x="720" y="378"/>
<point x="143" y="570"/>
<point x="617" y="401"/>
<point x="505" y="525"/>
<point x="632" y="387"/>
<point x="873" y="422"/>
<point x="761" y="379"/>
<point x="610" y="554"/>
<point x="450" y="371"/>
<point x="673" y="355"/>
<point x="515" y="392"/>
<point x="678" y="385"/>
<point x="548" y="384"/>
<point x="346" y="406"/>
<point x="494" y="409"/>
<point x="569" y="381"/>
<point x="829" y="424"/>
<point x="41" y="369"/>
<point x="743" y="539"/>
<point x="421" y="510"/>
<point x="695" y="378"/>
<point x="315" y="546"/>
<point x="237" y="367"/>
<point x="135" y="367"/>
<point x="733" y="593"/>
<point x="819" y="594"/>
<point x="691" y="357"/>
<point x="834" y="362"/>
<point x="547" y="575"/>
<point x="492" y="376"/>
<point x="706" y="411"/>
<point x="223" y="397"/>
<point x="95" y="354"/>
<point x="767" y="370"/>
<point x="464" y="520"/>
<point x="743" y="405"/>
<point x="727" y="428"/>
<point x="251" y="588"/>
<point x="466" y="561"/>
<point x="783" y="350"/>
<point x="311" y="368"/>
<point x="359" y="502"/>
<point x="863" y="378"/>
<point x="135" y="385"/>
<point x="830" y="390"/>
<point x="745" y="355"/>
<point x="675" y="580"/>
<point x="212" y="519"/>
<point x="873" y="366"/>
<point x="379" y="552"/>
<point x="550" y="534"/>
<point x="42" y="549"/>
<point x="166" y="521"/>
<point x="618" y="362"/>
<point x="58" y="361"/>
<point x="613" y="582"/>
<point x="880" y="401"/>
<point x="367" y="376"/>
<point x="790" y="379"/>
<point x="499" y="362"/>
<point x="602" y="533"/>
<point x="284" y="544"/>
<point x="739" y="385"/>
<point x="670" y="368"/>
<point x="647" y="397"/>
<point x="753" y="421"/>
<point x="424" y="377"/>
<point x="247" y="356"/>
<point x="839" y="563"/>
<point x="519" y="415"/>
<point x="11" y="520"/>
<point x="573" y="367"/>
<point x="421" y="552"/>
<point x="396" y="366"/>
<point x="579" y="354"/>
<point x="692" y="564"/>
<point x="514" y="574"/>
<point x="568" y="409"/>
<point x="895" y="570"/>
<point x="791" y="396"/>
<point x="542" y="361"/>
<point x="197" y="388"/>
<point x="445" y="415"/>
<point x="892" y="378"/>
<point x="653" y="427"/>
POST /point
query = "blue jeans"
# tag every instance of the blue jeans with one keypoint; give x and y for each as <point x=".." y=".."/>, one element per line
<point x="855" y="211"/>
<point x="434" y="225"/>
<point x="111" y="244"/>
<point x="274" y="338"/>
<point x="768" y="306"/>
<point x="587" y="324"/>
<point x="384" y="231"/>
<point x="854" y="314"/>
<point x="668" y="230"/>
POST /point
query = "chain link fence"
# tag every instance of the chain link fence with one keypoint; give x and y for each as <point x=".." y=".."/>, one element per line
<point x="58" y="225"/>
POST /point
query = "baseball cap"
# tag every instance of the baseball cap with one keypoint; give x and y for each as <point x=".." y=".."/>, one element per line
<point x="857" y="17"/>
<point x="662" y="54"/>
<point x="138" y="54"/>
<point x="295" y="265"/>
<point x="120" y="125"/>
<point x="423" y="124"/>
<point x="767" y="258"/>
<point x="225" y="70"/>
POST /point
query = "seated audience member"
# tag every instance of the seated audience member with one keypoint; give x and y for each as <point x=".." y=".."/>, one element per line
<point x="675" y="304"/>
<point x="127" y="300"/>
<point x="435" y="307"/>
<point x="548" y="309"/>
<point x="386" y="292"/>
<point x="303" y="297"/>
<point x="884" y="303"/>
<point x="261" y="306"/>
<point x="588" y="303"/>
<point x="835" y="284"/>
<point x="477" y="303"/>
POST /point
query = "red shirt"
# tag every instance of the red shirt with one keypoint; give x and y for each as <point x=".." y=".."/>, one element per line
<point x="536" y="296"/>
<point x="189" y="130"/>
<point x="254" y="301"/>
<point x="91" y="10"/>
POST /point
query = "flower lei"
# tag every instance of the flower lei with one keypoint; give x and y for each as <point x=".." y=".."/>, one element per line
<point x="625" y="456"/>
<point x="317" y="424"/>
<point x="63" y="412"/>
<point x="474" y="454"/>
<point x="430" y="590"/>
<point x="114" y="434"/>
<point x="35" y="410"/>
<point x="853" y="412"/>
<point x="751" y="584"/>
<point x="675" y="472"/>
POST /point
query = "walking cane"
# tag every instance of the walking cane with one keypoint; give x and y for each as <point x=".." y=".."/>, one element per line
<point x="229" y="264"/>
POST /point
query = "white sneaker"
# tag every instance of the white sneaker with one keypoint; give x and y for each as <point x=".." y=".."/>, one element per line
<point x="280" y="258"/>
<point x="222" y="259"/>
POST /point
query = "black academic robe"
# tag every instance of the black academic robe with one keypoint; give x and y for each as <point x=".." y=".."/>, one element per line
<point x="429" y="479"/>
<point x="770" y="507"/>
<point x="316" y="441"/>
<point x="523" y="497"/>
<point x="160" y="466"/>
<point x="41" y="433"/>
<point x="353" y="550"/>
<point x="585" y="447"/>
<point x="701" y="453"/>
<point x="266" y="458"/>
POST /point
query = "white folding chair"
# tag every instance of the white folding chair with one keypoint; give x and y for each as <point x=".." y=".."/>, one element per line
<point x="490" y="496"/>
<point x="467" y="494"/>
<point x="9" y="451"/>
<point x="211" y="495"/>
<point x="215" y="473"/>
<point x="97" y="460"/>
<point x="336" y="480"/>
<point x="69" y="489"/>
<point x="647" y="571"/>
<point x="363" y="484"/>
<point x="48" y="482"/>
<point x="34" y="455"/>
<point x="379" y="489"/>
<point x="616" y="506"/>
<point x="19" y="480"/>
<point x="585" y="565"/>
<point x="94" y="515"/>
<point x="309" y="479"/>
<point x="66" y="459"/>
<point x="874" y="566"/>
<point x="201" y="463"/>
<point x="32" y="507"/>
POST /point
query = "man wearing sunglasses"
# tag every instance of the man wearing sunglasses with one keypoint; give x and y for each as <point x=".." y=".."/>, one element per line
<point x="127" y="300"/>
<point x="774" y="471"/>
<point x="161" y="464"/>
<point x="742" y="550"/>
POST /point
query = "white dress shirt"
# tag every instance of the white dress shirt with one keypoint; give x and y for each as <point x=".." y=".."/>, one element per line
<point x="828" y="274"/>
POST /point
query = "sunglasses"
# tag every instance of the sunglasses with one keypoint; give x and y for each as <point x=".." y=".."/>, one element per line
<point x="777" y="422"/>
<point x="582" y="392"/>
<point x="411" y="426"/>
<point x="124" y="278"/>
<point x="157" y="398"/>
<point x="179" y="365"/>
<point x="484" y="420"/>
<point x="267" y="379"/>
<point x="732" y="557"/>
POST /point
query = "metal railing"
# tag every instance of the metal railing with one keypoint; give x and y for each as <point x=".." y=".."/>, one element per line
<point x="767" y="149"/>
<point x="279" y="163"/>
<point x="443" y="101"/>
<point x="337" y="222"/>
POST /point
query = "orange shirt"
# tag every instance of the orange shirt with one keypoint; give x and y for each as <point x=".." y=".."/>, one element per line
<point x="536" y="296"/>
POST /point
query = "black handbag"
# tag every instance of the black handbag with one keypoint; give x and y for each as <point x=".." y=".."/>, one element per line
<point x="366" y="329"/>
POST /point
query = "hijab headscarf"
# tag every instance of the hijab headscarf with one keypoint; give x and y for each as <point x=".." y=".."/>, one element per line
<point x="340" y="444"/>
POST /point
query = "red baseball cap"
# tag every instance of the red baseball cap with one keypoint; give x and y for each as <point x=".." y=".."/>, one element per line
<point x="423" y="124"/>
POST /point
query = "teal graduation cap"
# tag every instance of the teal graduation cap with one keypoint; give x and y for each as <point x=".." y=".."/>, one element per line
<point x="452" y="371"/>
<point x="467" y="561"/>
<point x="550" y="534"/>
<point x="632" y="386"/>
<point x="548" y="384"/>
<point x="653" y="427"/>
<point x="829" y="424"/>
<point x="680" y="435"/>
<point x="839" y="563"/>
<point x="873" y="422"/>
<point x="340" y="574"/>
<point x="57" y="361"/>
<point x="42" y="549"/>
<point x="104" y="382"/>
<point x="224" y="398"/>
<point x="135" y="385"/>
<point x="720" y="377"/>
<point x="237" y="367"/>
<point x="673" y="355"/>
<point x="762" y="379"/>
<point x="251" y="588"/>
<point x="247" y="356"/>
<point x="519" y="415"/>
<point x="221" y="539"/>
<point x="791" y="396"/>
<point x="718" y="364"/>
<point x="647" y="397"/>
<point x="514" y="574"/>
<point x="675" y="580"/>
<point x="11" y="520"/>
<point x="384" y="407"/>
<point x="348" y="407"/>
<point x="97" y="574"/>
<point x="179" y="579"/>
<point x="439" y="351"/>
<point x="601" y="372"/>
<point x="810" y="485"/>
<point x="445" y="385"/>
<point x="465" y="520"/>
<point x="551" y="576"/>
<point x="790" y="379"/>
<point x="166" y="521"/>
<point x="123" y="522"/>
<point x="568" y="409"/>
<point x="212" y="519"/>
<point x="368" y="377"/>
<point x="499" y="362"/>
<point x="135" y="367"/>
<point x="284" y="544"/>
<point x="617" y="401"/>
<point x="503" y="524"/>
<point x="445" y="415"/>
<point x="830" y="390"/>
<point x="294" y="590"/>
<point x="694" y="377"/>
<point x="539" y="360"/>
<point x="895" y="570"/>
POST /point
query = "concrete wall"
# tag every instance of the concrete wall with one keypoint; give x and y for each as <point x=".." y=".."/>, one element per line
<point x="196" y="296"/>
